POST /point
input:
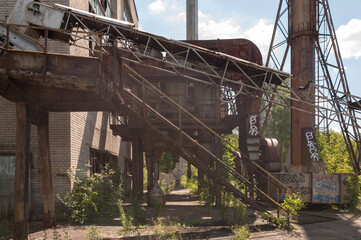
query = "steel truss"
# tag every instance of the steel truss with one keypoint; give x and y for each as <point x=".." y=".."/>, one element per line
<point x="232" y="75"/>
<point x="334" y="102"/>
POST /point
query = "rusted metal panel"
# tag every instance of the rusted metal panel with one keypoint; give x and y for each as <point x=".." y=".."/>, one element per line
<point x="57" y="64"/>
<point x="241" y="48"/>
<point x="70" y="65"/>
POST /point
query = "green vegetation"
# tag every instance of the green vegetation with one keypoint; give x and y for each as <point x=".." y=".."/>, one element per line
<point x="166" y="162"/>
<point x="333" y="152"/>
<point x="92" y="195"/>
<point x="241" y="233"/>
<point x="293" y="203"/>
<point x="94" y="233"/>
<point x="279" y="127"/>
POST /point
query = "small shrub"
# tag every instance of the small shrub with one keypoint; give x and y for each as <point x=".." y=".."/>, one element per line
<point x="92" y="195"/>
<point x="93" y="233"/>
<point x="241" y="233"/>
<point x="167" y="188"/>
<point x="125" y="218"/>
<point x="293" y="203"/>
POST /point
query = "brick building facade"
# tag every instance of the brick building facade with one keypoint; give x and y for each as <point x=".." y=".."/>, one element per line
<point x="77" y="139"/>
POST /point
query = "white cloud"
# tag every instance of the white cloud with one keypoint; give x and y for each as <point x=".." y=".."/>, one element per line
<point x="349" y="38"/>
<point x="208" y="28"/>
<point x="157" y="7"/>
<point x="260" y="33"/>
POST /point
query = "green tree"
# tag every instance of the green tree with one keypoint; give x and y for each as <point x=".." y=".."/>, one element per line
<point x="333" y="152"/>
<point x="279" y="127"/>
<point x="166" y="162"/>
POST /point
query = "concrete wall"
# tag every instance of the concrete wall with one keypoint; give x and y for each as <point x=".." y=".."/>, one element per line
<point x="315" y="188"/>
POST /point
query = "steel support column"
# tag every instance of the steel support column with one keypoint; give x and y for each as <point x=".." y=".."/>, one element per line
<point x="46" y="173"/>
<point x="21" y="171"/>
<point x="137" y="166"/>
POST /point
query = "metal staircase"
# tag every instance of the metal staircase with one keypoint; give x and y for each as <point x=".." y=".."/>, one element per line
<point x="150" y="119"/>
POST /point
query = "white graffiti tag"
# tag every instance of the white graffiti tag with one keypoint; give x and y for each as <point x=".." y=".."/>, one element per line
<point x="7" y="166"/>
<point x="252" y="125"/>
<point x="312" y="147"/>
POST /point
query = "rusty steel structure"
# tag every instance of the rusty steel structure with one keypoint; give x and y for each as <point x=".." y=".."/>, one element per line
<point x="111" y="79"/>
<point x="332" y="99"/>
<point x="162" y="93"/>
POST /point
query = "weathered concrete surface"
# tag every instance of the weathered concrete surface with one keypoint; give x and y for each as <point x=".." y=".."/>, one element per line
<point x="319" y="225"/>
<point x="181" y="205"/>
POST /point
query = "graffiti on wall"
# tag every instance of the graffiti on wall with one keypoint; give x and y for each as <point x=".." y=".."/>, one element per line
<point x="297" y="183"/>
<point x="326" y="188"/>
<point x="7" y="166"/>
<point x="253" y="126"/>
<point x="312" y="145"/>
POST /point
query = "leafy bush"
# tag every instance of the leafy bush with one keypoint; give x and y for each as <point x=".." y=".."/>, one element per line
<point x="293" y="203"/>
<point x="94" y="233"/>
<point x="241" y="233"/>
<point x="92" y="195"/>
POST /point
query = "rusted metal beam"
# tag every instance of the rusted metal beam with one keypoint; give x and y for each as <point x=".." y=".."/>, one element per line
<point x="21" y="171"/>
<point x="137" y="165"/>
<point x="46" y="173"/>
<point x="58" y="64"/>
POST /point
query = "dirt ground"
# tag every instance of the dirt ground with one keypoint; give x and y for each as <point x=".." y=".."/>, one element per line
<point x="182" y="211"/>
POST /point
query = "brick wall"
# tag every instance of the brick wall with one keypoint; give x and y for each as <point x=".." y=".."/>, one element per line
<point x="71" y="134"/>
<point x="90" y="130"/>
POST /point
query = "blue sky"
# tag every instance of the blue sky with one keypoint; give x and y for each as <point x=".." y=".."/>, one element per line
<point x="252" y="20"/>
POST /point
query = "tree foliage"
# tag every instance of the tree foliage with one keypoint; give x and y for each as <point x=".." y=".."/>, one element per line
<point x="279" y="127"/>
<point x="166" y="162"/>
<point x="333" y="152"/>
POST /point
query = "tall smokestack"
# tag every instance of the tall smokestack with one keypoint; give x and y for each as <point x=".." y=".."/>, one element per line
<point x="192" y="19"/>
<point x="302" y="32"/>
